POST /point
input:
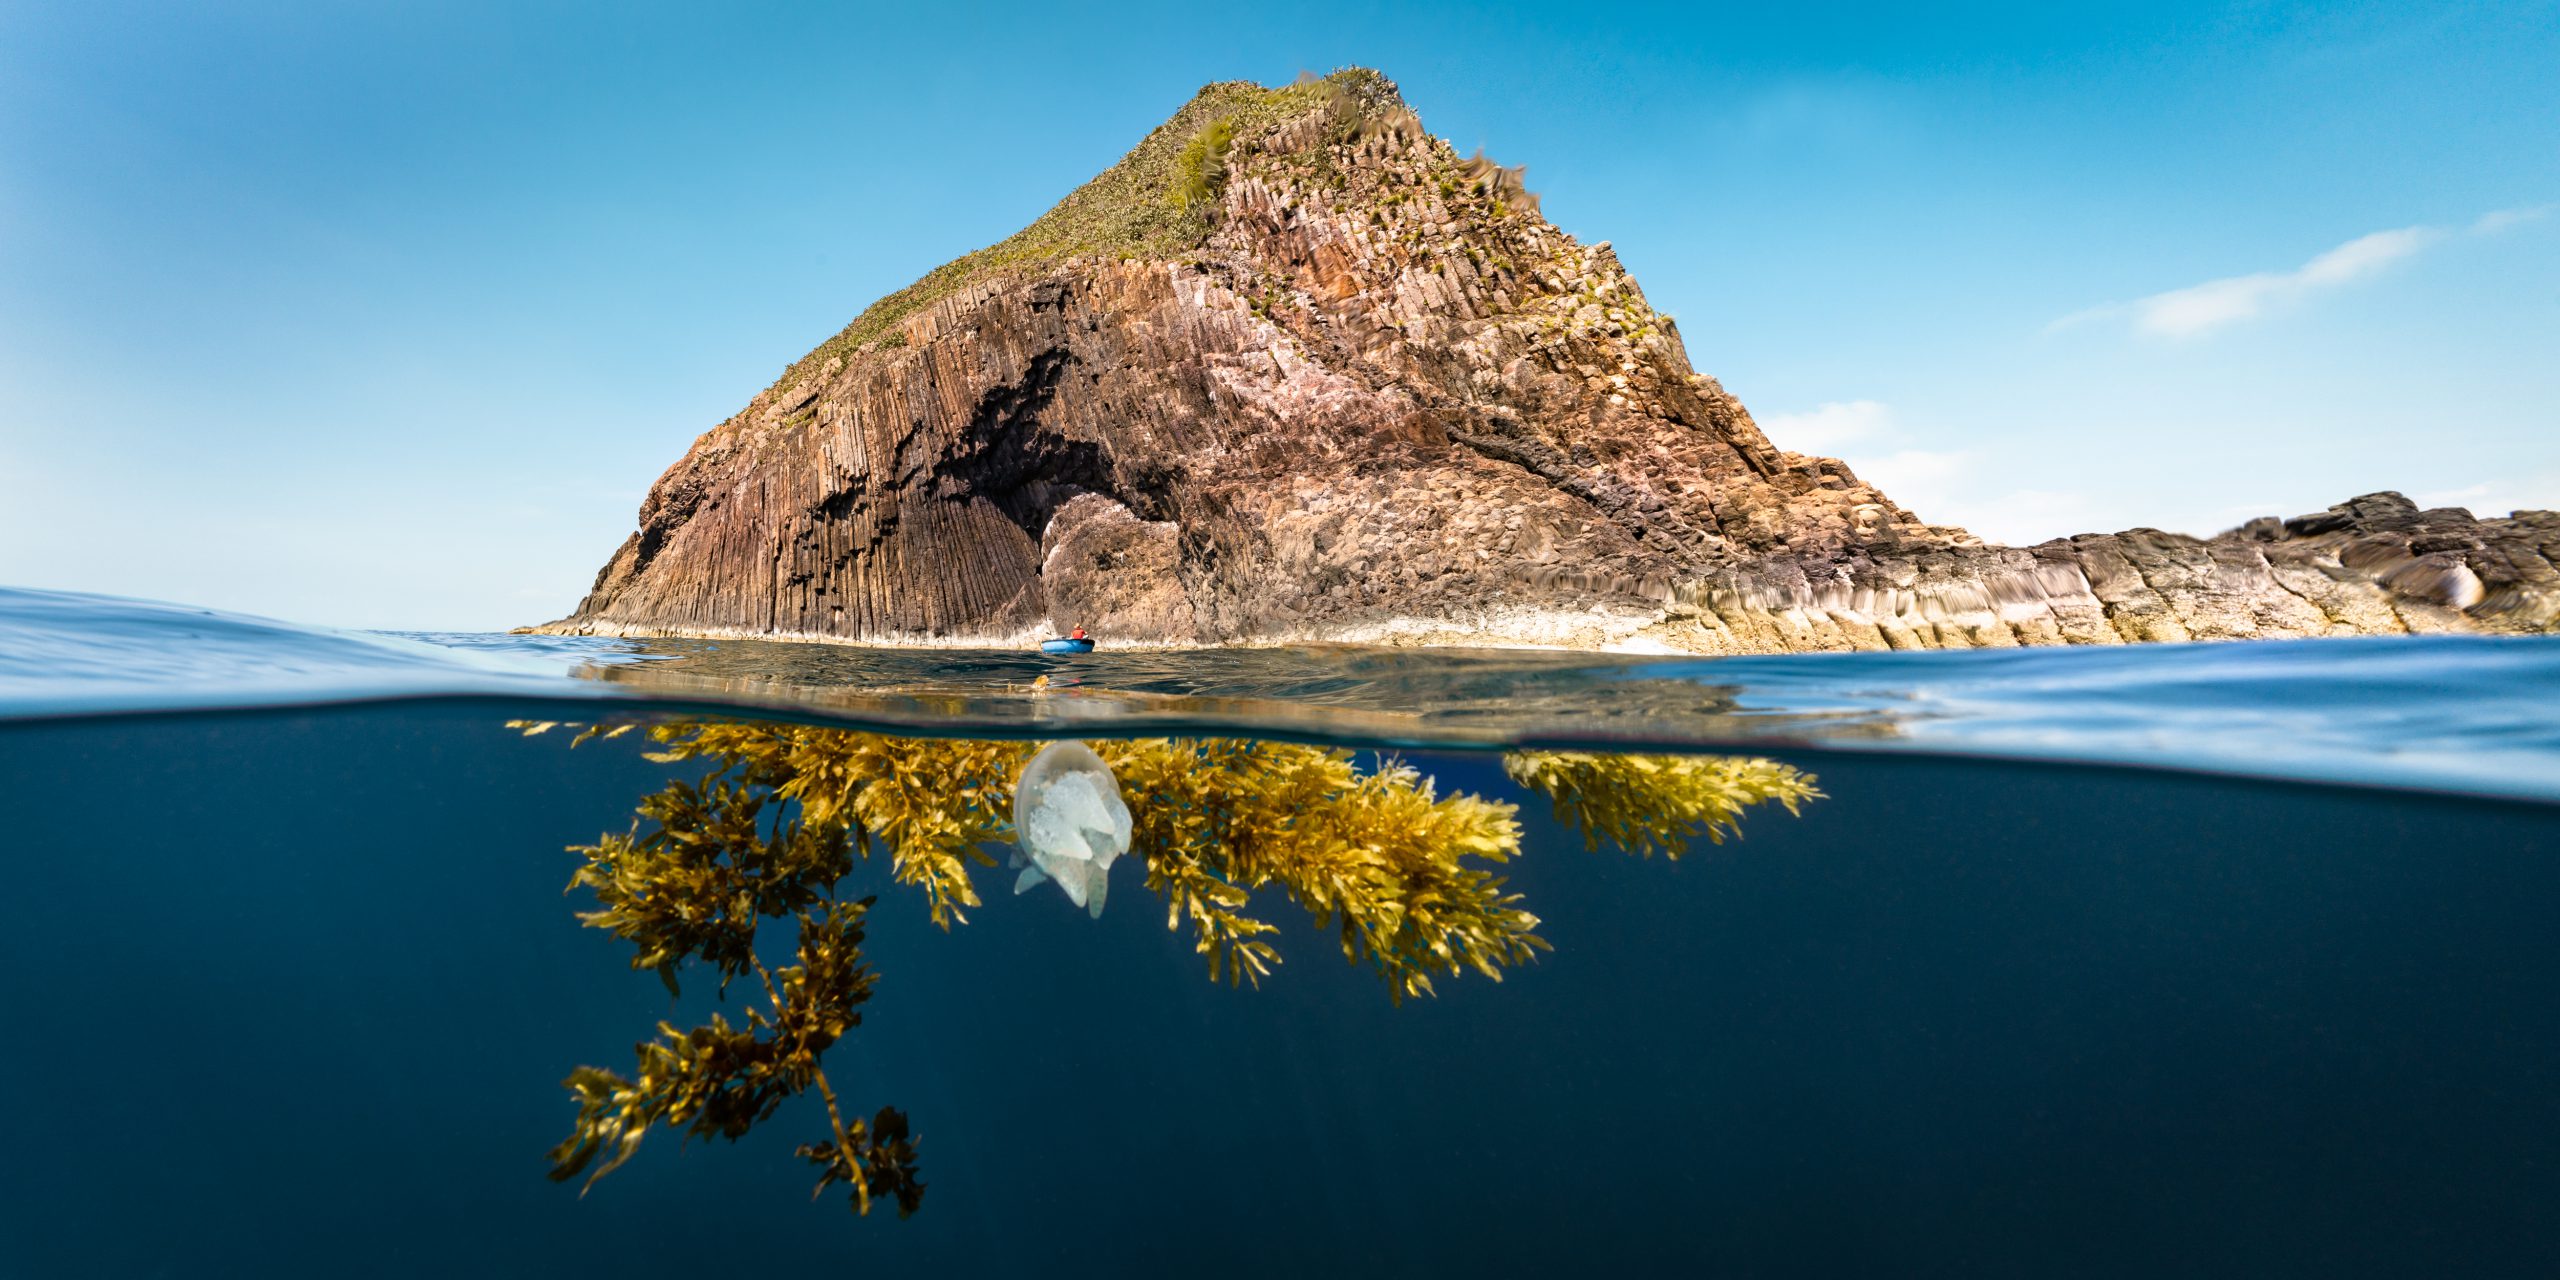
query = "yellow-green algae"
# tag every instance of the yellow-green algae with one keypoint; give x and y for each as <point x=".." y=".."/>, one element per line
<point x="1403" y="875"/>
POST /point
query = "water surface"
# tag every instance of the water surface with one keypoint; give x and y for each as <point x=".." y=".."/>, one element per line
<point x="2462" y="714"/>
<point x="295" y="982"/>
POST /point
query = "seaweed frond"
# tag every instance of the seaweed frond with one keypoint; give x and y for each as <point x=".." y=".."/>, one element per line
<point x="720" y="1080"/>
<point x="1405" y="877"/>
<point x="692" y="883"/>
<point x="932" y="804"/>
<point x="1649" y="804"/>
<point x="1400" y="872"/>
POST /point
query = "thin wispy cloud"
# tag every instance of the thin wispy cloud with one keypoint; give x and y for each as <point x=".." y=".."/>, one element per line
<point x="2525" y="492"/>
<point x="1944" y="486"/>
<point x="2200" y="309"/>
<point x="2500" y="219"/>
<point x="1824" y="428"/>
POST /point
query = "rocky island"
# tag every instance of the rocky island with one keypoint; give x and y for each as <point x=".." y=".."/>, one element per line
<point x="1296" y="370"/>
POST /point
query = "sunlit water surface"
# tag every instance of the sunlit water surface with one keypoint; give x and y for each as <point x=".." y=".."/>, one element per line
<point x="2217" y="959"/>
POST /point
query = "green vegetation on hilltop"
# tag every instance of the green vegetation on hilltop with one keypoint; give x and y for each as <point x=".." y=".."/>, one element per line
<point x="1200" y="172"/>
<point x="1156" y="203"/>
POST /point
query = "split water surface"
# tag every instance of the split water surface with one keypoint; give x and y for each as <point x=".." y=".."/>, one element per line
<point x="2221" y="959"/>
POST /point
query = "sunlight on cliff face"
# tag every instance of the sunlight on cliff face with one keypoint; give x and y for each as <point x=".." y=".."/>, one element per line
<point x="1403" y="876"/>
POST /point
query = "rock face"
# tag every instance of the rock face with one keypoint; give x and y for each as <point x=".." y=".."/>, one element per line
<point x="1294" y="369"/>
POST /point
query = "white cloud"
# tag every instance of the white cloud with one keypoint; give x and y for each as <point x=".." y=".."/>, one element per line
<point x="2499" y="497"/>
<point x="2364" y="256"/>
<point x="2501" y="219"/>
<point x="1913" y="470"/>
<point x="1828" y="426"/>
<point x="1960" y="488"/>
<point x="2200" y="309"/>
<point x="2021" y="517"/>
<point x="1941" y="486"/>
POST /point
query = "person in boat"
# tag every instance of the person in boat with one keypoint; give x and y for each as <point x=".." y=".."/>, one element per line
<point x="1078" y="634"/>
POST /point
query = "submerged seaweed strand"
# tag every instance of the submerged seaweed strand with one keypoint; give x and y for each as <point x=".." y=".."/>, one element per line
<point x="1656" y="804"/>
<point x="1403" y="875"/>
<point x="692" y="886"/>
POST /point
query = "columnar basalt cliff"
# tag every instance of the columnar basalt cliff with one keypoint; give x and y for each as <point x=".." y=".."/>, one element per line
<point x="1295" y="369"/>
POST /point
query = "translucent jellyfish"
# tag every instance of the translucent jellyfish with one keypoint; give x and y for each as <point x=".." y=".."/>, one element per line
<point x="1069" y="823"/>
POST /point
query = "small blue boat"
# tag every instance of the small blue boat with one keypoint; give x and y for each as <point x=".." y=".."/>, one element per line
<point x="1066" y="645"/>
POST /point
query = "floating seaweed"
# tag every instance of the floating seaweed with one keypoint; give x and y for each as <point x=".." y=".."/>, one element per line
<point x="1656" y="804"/>
<point x="1405" y="877"/>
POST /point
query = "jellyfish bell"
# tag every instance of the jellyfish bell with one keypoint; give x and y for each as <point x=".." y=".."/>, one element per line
<point x="1069" y="823"/>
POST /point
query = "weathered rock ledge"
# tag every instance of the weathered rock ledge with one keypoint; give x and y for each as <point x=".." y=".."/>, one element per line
<point x="1294" y="370"/>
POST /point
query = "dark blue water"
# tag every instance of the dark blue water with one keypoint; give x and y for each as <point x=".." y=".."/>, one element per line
<point x="291" y="992"/>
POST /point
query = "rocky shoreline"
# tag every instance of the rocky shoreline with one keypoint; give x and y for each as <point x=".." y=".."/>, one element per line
<point x="2374" y="566"/>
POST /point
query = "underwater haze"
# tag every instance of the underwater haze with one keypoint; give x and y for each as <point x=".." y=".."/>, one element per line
<point x="2208" y="959"/>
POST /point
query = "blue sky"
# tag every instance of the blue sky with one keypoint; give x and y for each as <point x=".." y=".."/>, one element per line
<point x="387" y="315"/>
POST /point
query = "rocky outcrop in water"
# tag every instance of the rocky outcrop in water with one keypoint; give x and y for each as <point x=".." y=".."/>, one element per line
<point x="1294" y="369"/>
<point x="2376" y="565"/>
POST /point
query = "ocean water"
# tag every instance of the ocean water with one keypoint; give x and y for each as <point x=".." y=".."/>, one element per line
<point x="2230" y="960"/>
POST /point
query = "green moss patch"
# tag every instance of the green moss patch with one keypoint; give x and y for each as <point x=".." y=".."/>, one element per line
<point x="1158" y="203"/>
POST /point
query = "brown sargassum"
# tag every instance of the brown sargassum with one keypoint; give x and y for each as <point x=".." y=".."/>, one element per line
<point x="1406" y="878"/>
